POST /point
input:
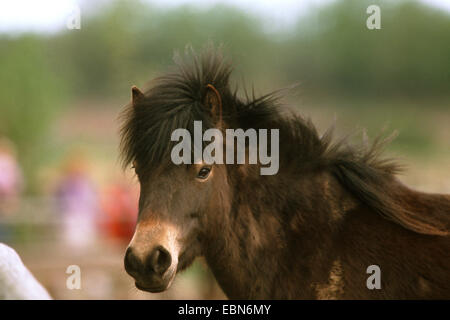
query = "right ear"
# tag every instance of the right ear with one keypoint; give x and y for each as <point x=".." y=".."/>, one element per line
<point x="213" y="102"/>
<point x="136" y="95"/>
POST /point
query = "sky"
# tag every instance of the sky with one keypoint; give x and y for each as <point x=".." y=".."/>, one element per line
<point x="51" y="15"/>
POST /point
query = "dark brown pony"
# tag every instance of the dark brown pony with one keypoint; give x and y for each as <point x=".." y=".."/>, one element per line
<point x="310" y="231"/>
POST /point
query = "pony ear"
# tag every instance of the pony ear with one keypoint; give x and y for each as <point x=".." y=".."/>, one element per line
<point x="136" y="95"/>
<point x="213" y="102"/>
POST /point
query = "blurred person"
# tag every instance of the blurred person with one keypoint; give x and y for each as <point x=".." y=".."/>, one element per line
<point x="78" y="203"/>
<point x="11" y="178"/>
<point x="119" y="204"/>
<point x="11" y="183"/>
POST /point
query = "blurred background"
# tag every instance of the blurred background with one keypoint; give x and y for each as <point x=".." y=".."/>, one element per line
<point x="64" y="199"/>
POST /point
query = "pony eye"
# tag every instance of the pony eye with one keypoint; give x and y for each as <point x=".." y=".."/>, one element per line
<point x="204" y="173"/>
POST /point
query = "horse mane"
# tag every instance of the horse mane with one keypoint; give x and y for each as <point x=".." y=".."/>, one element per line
<point x="175" y="100"/>
<point x="371" y="179"/>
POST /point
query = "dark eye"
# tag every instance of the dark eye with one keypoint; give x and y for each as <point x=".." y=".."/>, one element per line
<point x="204" y="173"/>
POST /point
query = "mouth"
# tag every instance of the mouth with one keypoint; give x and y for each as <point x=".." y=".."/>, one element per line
<point x="150" y="289"/>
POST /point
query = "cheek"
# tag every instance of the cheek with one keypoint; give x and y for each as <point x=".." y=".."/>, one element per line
<point x="197" y="193"/>
<point x="219" y="198"/>
<point x="191" y="250"/>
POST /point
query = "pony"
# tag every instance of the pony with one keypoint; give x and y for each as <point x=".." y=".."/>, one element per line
<point x="333" y="212"/>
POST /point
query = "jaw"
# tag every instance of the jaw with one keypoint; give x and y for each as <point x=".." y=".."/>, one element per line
<point x="189" y="254"/>
<point x="185" y="262"/>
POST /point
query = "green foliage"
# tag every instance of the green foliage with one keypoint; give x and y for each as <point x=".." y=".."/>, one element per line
<point x="29" y="94"/>
<point x="330" y="49"/>
<point x="410" y="55"/>
<point x="128" y="42"/>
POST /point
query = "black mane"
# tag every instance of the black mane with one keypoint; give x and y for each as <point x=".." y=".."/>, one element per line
<point x="175" y="100"/>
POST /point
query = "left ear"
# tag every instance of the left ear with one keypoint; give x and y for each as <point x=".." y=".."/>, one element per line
<point x="213" y="102"/>
<point x="136" y="96"/>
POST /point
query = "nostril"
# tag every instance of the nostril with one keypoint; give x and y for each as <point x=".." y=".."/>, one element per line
<point x="164" y="260"/>
<point x="160" y="260"/>
<point x="131" y="261"/>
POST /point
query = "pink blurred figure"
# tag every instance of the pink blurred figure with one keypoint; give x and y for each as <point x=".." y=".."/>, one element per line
<point x="11" y="178"/>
